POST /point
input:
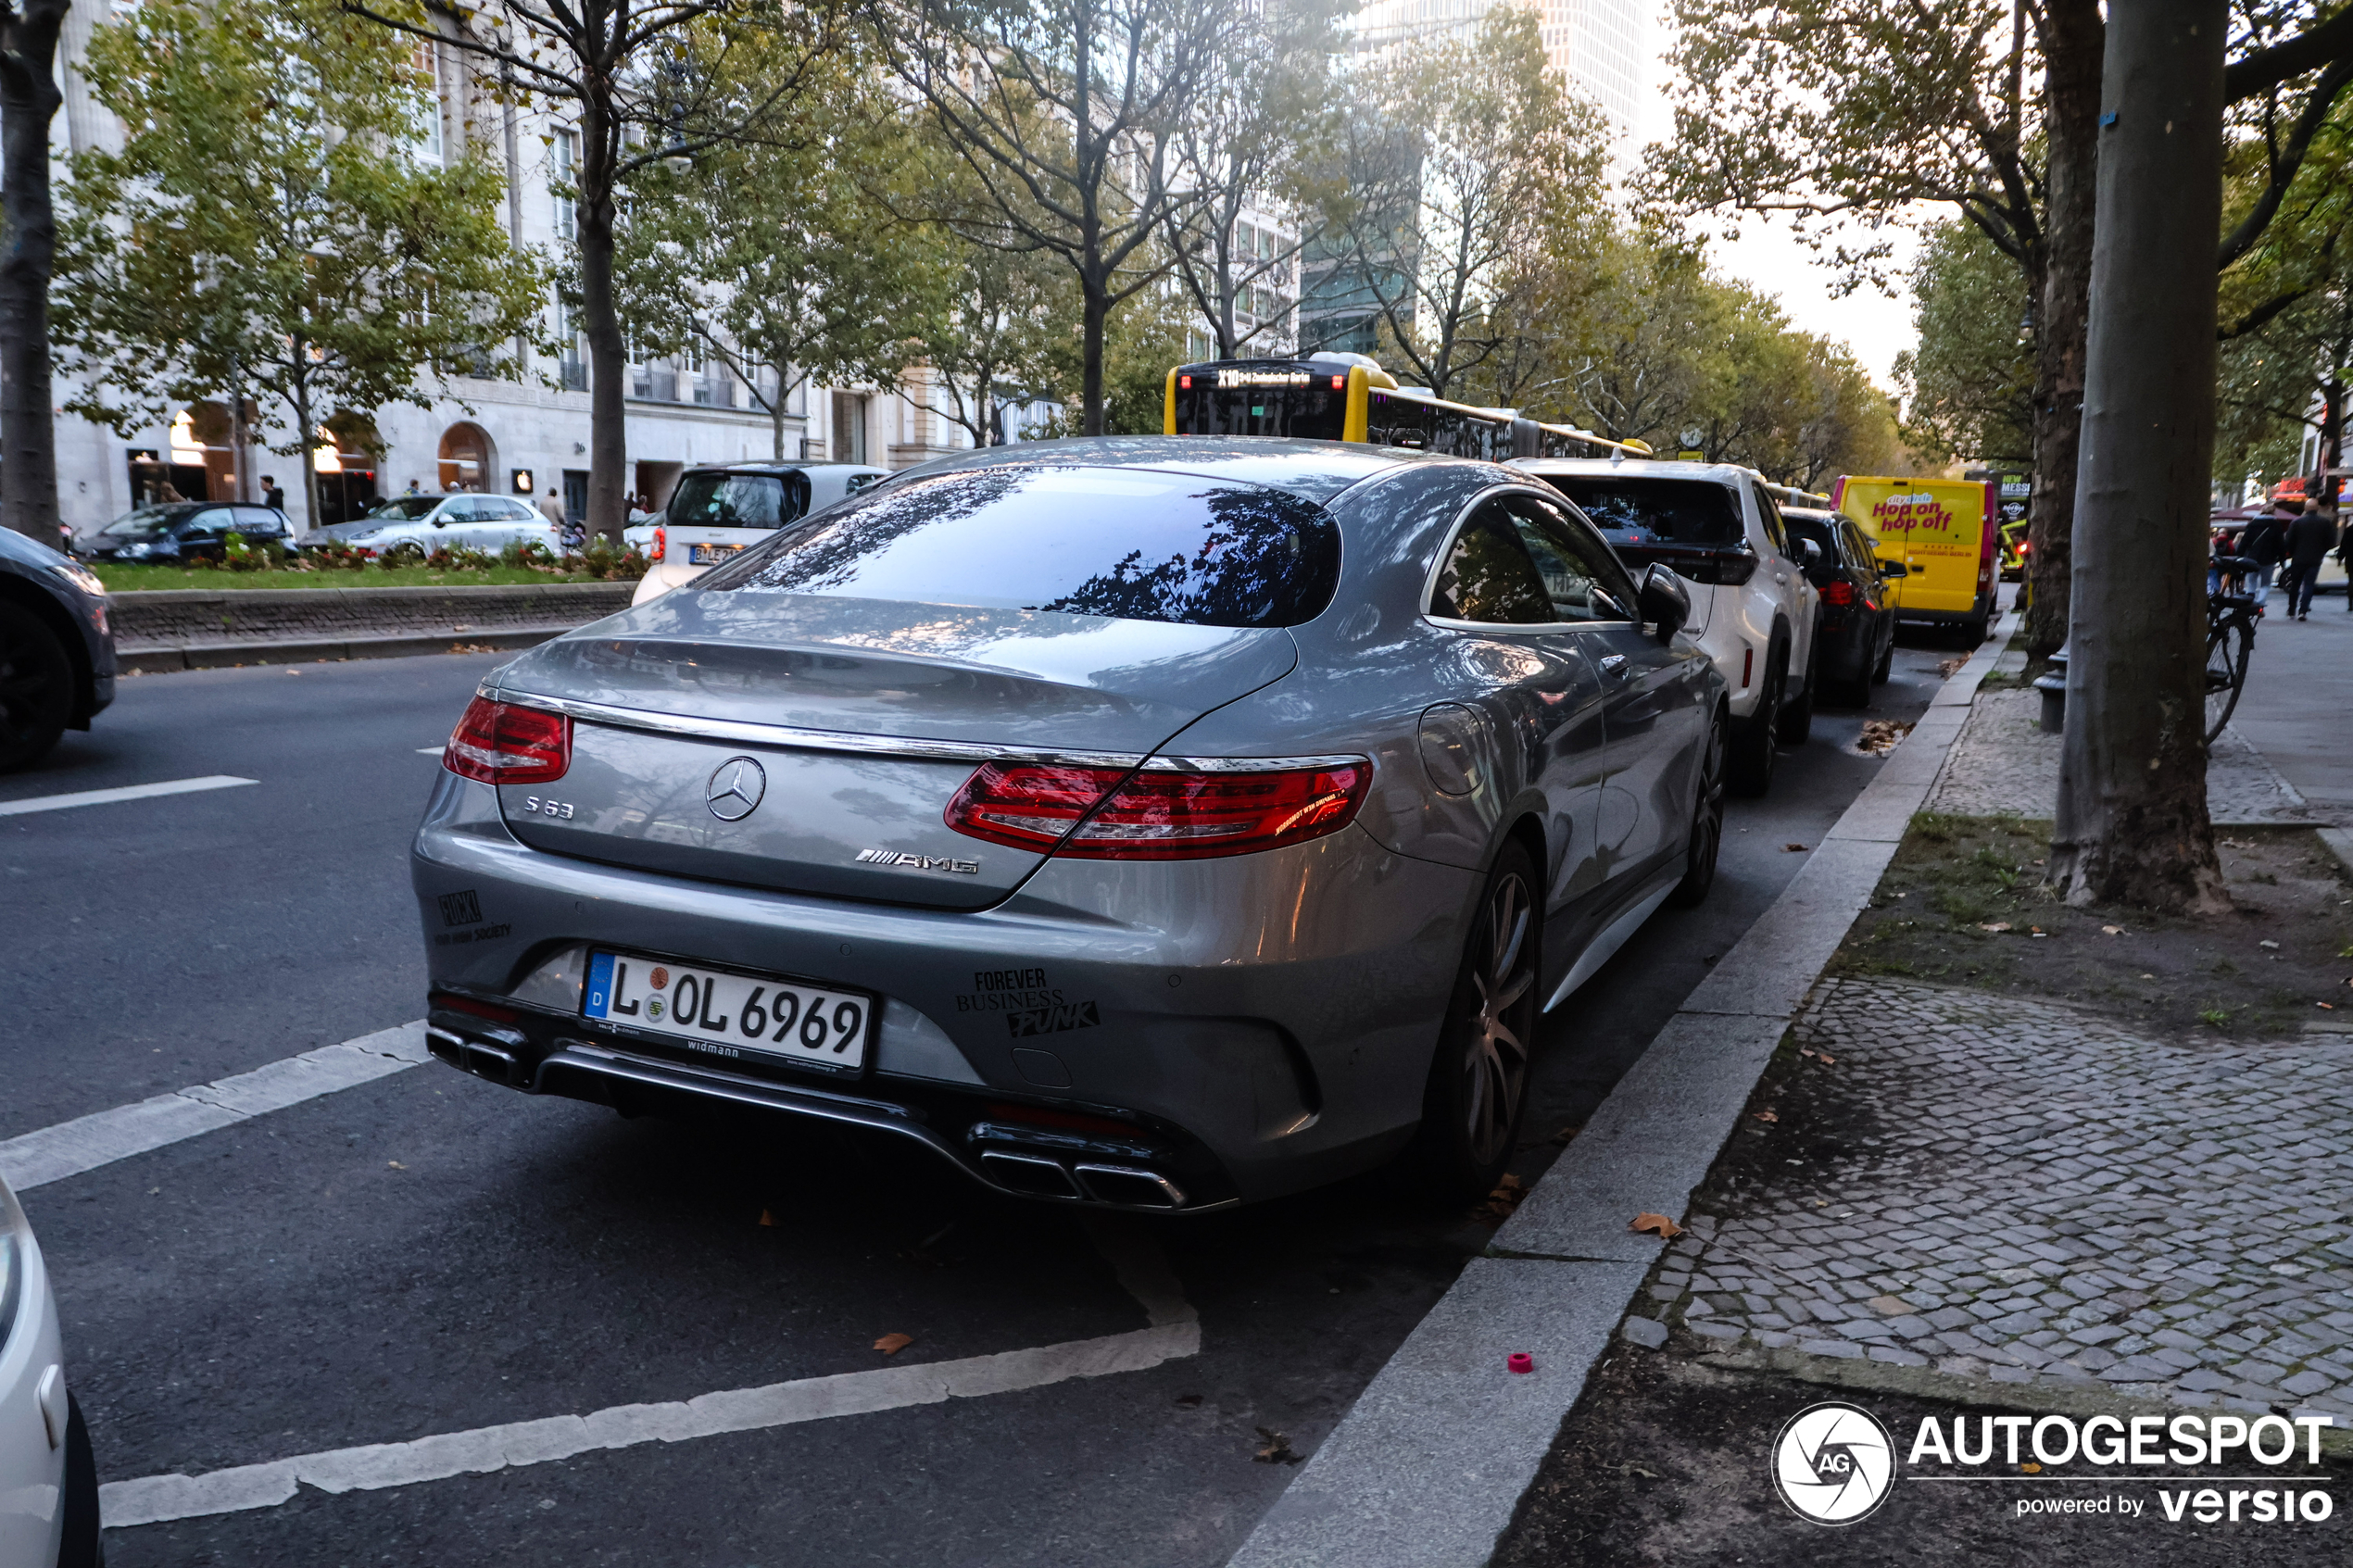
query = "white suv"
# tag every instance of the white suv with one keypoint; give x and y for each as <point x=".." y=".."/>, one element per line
<point x="1752" y="608"/>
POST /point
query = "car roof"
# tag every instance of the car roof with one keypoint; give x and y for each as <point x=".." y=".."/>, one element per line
<point x="1315" y="469"/>
<point x="1639" y="468"/>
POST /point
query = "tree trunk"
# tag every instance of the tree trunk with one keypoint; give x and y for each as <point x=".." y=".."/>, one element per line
<point x="29" y="100"/>
<point x="2072" y="94"/>
<point x="1095" y="312"/>
<point x="308" y="450"/>
<point x="2331" y="438"/>
<point x="600" y="324"/>
<point x="2132" y="825"/>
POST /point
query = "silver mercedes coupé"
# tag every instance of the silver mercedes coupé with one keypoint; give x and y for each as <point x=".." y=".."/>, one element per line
<point x="1159" y="823"/>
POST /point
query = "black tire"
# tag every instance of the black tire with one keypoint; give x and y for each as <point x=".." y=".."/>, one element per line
<point x="1707" y="819"/>
<point x="1755" y="741"/>
<point x="1797" y="719"/>
<point x="1477" y="1087"/>
<point x="81" y="1547"/>
<point x="2227" y="647"/>
<point x="36" y="687"/>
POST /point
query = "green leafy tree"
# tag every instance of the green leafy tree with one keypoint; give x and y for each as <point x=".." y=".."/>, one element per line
<point x="268" y="229"/>
<point x="1068" y="115"/>
<point x="1467" y="157"/>
<point x="1970" y="381"/>
<point x="782" y="259"/>
<point x="995" y="331"/>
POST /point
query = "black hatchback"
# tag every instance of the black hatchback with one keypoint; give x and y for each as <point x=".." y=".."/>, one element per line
<point x="175" y="532"/>
<point x="1854" y="625"/>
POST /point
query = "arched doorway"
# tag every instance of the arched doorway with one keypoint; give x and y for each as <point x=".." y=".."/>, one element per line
<point x="468" y="458"/>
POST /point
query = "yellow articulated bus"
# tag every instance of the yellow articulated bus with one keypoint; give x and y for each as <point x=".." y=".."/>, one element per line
<point x="1350" y="397"/>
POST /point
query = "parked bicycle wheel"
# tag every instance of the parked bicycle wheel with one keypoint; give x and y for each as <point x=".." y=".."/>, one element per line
<point x="2227" y="649"/>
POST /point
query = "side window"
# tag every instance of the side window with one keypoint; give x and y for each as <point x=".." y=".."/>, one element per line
<point x="1858" y="550"/>
<point x="1772" y="516"/>
<point x="258" y="520"/>
<point x="859" y="480"/>
<point x="1582" y="579"/>
<point x="1487" y="576"/>
<point x="460" y="510"/>
<point x="211" y="524"/>
<point x="518" y="512"/>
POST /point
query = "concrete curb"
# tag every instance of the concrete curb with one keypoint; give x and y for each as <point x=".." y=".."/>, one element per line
<point x="168" y="658"/>
<point x="1429" y="1465"/>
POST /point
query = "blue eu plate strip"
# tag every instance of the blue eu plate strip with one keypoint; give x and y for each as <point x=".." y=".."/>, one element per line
<point x="599" y="986"/>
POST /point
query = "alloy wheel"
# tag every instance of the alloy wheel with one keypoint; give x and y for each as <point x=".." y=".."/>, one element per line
<point x="1494" y="1062"/>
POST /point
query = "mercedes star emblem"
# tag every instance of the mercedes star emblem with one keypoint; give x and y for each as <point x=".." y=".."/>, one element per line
<point x="735" y="789"/>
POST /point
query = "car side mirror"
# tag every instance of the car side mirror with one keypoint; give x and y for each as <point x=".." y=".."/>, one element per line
<point x="1664" y="600"/>
<point x="441" y="523"/>
<point x="1809" y="554"/>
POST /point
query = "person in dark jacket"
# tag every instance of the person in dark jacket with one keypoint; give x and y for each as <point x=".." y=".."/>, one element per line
<point x="2309" y="538"/>
<point x="2264" y="541"/>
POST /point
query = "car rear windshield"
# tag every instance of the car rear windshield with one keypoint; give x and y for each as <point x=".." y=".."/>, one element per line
<point x="1137" y="545"/>
<point x="1655" y="511"/>
<point x="737" y="500"/>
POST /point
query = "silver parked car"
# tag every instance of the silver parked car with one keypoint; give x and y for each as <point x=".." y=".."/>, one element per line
<point x="413" y="527"/>
<point x="1153" y="823"/>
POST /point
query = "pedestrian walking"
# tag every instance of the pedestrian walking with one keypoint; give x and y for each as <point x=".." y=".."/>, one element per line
<point x="2263" y="542"/>
<point x="271" y="496"/>
<point x="415" y="488"/>
<point x="2310" y="539"/>
<point x="552" y="509"/>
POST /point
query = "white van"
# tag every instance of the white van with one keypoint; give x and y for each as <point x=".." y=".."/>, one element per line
<point x="716" y="511"/>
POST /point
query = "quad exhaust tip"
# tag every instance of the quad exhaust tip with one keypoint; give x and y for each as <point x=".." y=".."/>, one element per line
<point x="1036" y="1175"/>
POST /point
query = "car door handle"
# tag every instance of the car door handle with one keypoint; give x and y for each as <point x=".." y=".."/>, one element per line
<point x="1614" y="664"/>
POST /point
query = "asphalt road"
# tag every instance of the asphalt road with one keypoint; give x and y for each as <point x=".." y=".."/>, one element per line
<point x="427" y="1254"/>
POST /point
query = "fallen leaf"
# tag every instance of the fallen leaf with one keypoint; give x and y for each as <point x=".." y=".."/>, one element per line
<point x="766" y="1218"/>
<point x="2112" y="930"/>
<point x="1767" y="1116"/>
<point x="1793" y="848"/>
<point x="1566" y="1134"/>
<point x="891" y="1344"/>
<point x="1277" y="1448"/>
<point x="2032" y="1468"/>
<point x="1657" y="1224"/>
<point x="1994" y="925"/>
<point x="396" y="1164"/>
<point x="1829" y="1060"/>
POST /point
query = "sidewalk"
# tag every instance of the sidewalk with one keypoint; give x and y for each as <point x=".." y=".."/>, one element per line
<point x="2061" y="1161"/>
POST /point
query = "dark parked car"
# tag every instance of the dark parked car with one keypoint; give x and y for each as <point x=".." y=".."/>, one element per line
<point x="56" y="652"/>
<point x="183" y="530"/>
<point x="1855" y="629"/>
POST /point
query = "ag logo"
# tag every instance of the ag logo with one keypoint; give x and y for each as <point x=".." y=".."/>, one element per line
<point x="1834" y="1463"/>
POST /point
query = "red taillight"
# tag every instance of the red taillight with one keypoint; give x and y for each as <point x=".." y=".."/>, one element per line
<point x="1748" y="666"/>
<point x="498" y="743"/>
<point x="1340" y="384"/>
<point x="1839" y="593"/>
<point x="1185" y="383"/>
<point x="662" y="544"/>
<point x="2023" y="546"/>
<point x="1106" y="814"/>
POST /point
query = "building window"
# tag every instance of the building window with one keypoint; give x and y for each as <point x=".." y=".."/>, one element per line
<point x="425" y="58"/>
<point x="567" y="151"/>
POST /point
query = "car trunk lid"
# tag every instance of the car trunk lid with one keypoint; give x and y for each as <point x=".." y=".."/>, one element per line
<point x="859" y="719"/>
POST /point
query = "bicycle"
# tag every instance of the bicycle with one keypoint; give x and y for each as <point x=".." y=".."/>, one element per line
<point x="2230" y="640"/>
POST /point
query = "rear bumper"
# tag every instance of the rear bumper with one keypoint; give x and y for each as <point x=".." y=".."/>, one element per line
<point x="1229" y="1029"/>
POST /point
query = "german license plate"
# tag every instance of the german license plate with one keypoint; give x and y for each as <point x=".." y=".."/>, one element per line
<point x="720" y="1014"/>
<point x="703" y="555"/>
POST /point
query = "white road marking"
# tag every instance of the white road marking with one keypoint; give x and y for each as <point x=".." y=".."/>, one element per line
<point x="152" y="1499"/>
<point x="104" y="1137"/>
<point x="128" y="792"/>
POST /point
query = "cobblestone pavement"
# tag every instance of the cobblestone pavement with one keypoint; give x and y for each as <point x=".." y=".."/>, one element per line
<point x="2038" y="1195"/>
<point x="2005" y="763"/>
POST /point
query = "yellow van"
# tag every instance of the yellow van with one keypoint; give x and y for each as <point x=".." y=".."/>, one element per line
<point x="1944" y="533"/>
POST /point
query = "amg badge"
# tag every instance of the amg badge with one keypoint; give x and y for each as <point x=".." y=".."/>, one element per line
<point x="917" y="863"/>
